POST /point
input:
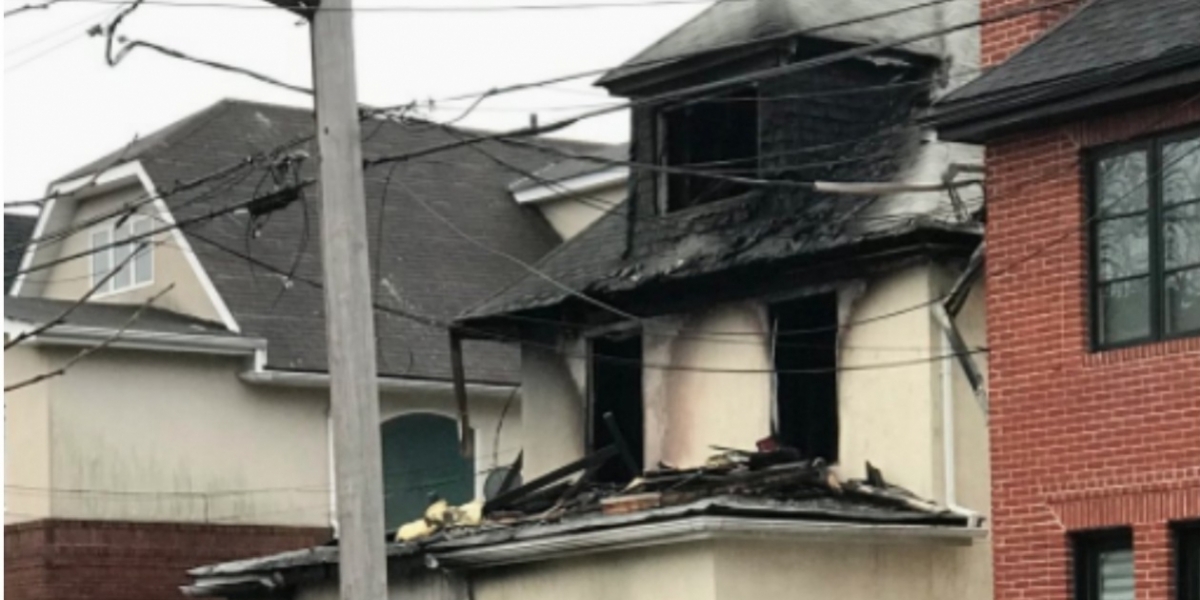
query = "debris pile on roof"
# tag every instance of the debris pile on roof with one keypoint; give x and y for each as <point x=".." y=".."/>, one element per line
<point x="772" y="479"/>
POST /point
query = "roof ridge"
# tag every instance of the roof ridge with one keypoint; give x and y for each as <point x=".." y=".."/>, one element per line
<point x="1038" y="39"/>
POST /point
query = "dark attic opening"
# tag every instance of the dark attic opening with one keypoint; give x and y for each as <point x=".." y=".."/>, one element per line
<point x="716" y="134"/>
<point x="806" y="395"/>
<point x="615" y="377"/>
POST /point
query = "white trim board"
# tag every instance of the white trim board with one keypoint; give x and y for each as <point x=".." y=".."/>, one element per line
<point x="574" y="185"/>
<point x="125" y="171"/>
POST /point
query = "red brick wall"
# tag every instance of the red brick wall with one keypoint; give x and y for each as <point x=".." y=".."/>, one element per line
<point x="102" y="560"/>
<point x="1002" y="38"/>
<point x="1079" y="440"/>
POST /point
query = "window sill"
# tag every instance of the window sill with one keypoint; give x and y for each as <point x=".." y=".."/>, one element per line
<point x="1133" y="351"/>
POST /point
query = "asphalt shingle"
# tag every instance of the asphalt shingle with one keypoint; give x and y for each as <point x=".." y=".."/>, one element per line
<point x="1100" y="35"/>
<point x="108" y="316"/>
<point x="419" y="263"/>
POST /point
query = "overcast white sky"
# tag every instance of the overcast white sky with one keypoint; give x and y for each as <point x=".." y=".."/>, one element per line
<point x="63" y="106"/>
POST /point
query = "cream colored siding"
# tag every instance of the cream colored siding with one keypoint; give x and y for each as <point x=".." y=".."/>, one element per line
<point x="684" y="572"/>
<point x="72" y="279"/>
<point x="26" y="437"/>
<point x="689" y="411"/>
<point x="131" y="435"/>
<point x="572" y="214"/>
<point x="891" y="417"/>
<point x="159" y="437"/>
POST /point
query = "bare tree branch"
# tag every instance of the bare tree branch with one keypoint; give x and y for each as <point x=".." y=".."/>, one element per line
<point x="24" y="335"/>
<point x="93" y="349"/>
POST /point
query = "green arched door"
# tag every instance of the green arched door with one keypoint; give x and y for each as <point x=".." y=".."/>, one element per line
<point x="420" y="457"/>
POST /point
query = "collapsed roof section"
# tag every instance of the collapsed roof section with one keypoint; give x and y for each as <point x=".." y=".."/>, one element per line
<point x="769" y="492"/>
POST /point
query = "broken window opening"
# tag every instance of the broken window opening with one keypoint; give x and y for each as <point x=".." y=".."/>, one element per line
<point x="615" y="376"/>
<point x="805" y="361"/>
<point x="717" y="135"/>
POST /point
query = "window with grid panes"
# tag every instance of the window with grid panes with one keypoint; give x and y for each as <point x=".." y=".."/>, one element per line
<point x="1145" y="241"/>
<point x="112" y="245"/>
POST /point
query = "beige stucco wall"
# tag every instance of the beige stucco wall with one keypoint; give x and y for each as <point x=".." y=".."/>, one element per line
<point x="891" y="417"/>
<point x="689" y="411"/>
<point x="552" y="406"/>
<point x="26" y="437"/>
<point x="571" y="214"/>
<point x="732" y="569"/>
<point x="131" y="435"/>
<point x="848" y="571"/>
<point x="684" y="571"/>
<point x="71" y="280"/>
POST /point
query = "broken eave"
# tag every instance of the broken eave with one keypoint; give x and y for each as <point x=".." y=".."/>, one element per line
<point x="697" y="288"/>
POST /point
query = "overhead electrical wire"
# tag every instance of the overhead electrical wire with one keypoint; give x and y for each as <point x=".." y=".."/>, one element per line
<point x="419" y="8"/>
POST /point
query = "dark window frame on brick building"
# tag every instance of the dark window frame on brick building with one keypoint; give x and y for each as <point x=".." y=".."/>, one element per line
<point x="1090" y="550"/>
<point x="1187" y="560"/>
<point x="721" y="134"/>
<point x="1141" y="208"/>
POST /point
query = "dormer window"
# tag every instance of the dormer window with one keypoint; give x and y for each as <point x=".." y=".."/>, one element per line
<point x="111" y="245"/>
<point x="718" y="135"/>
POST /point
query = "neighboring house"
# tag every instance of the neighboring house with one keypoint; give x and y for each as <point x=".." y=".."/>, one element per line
<point x="17" y="231"/>
<point x="706" y="313"/>
<point x="202" y="433"/>
<point x="1092" y="128"/>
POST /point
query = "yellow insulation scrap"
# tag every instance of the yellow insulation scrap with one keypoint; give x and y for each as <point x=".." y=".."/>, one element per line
<point x="441" y="515"/>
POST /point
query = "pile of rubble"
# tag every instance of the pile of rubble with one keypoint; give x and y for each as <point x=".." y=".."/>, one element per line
<point x="770" y="474"/>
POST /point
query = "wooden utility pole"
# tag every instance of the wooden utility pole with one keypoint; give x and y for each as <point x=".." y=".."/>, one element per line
<point x="358" y="466"/>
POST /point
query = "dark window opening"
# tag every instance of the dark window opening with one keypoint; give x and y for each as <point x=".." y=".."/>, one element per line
<point x="806" y="395"/>
<point x="1187" y="572"/>
<point x="616" y="387"/>
<point x="717" y="135"/>
<point x="1104" y="565"/>
<point x="1145" y="236"/>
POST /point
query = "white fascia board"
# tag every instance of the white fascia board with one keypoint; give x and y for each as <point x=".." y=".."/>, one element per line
<point x="307" y="379"/>
<point x="702" y="529"/>
<point x="133" y="170"/>
<point x="575" y="185"/>
<point x="158" y="341"/>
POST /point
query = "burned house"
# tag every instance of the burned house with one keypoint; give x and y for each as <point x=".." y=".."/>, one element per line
<point x="760" y="372"/>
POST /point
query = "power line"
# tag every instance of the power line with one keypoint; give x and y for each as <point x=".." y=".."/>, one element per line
<point x="46" y="52"/>
<point x="29" y="7"/>
<point x="418" y="8"/>
<point x="714" y="87"/>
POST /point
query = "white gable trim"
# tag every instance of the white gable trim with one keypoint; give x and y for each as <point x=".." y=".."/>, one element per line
<point x="574" y="185"/>
<point x="128" y="170"/>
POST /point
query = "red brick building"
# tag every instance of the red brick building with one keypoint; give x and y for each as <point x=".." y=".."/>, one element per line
<point x="1091" y="119"/>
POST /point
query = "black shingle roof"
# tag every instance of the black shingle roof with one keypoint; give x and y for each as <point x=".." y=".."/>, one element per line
<point x="1108" y="55"/>
<point x="108" y="316"/>
<point x="1100" y="35"/>
<point x="425" y="267"/>
<point x="735" y="23"/>
<point x="765" y="228"/>
<point x="17" y="231"/>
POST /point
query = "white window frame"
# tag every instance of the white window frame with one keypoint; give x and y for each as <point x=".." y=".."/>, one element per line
<point x="110" y="286"/>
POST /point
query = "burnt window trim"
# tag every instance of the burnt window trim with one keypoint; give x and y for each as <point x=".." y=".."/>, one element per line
<point x="619" y="331"/>
<point x="660" y="135"/>
<point x="1152" y="145"/>
<point x="1187" y="560"/>
<point x="773" y="305"/>
<point x="1086" y="549"/>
